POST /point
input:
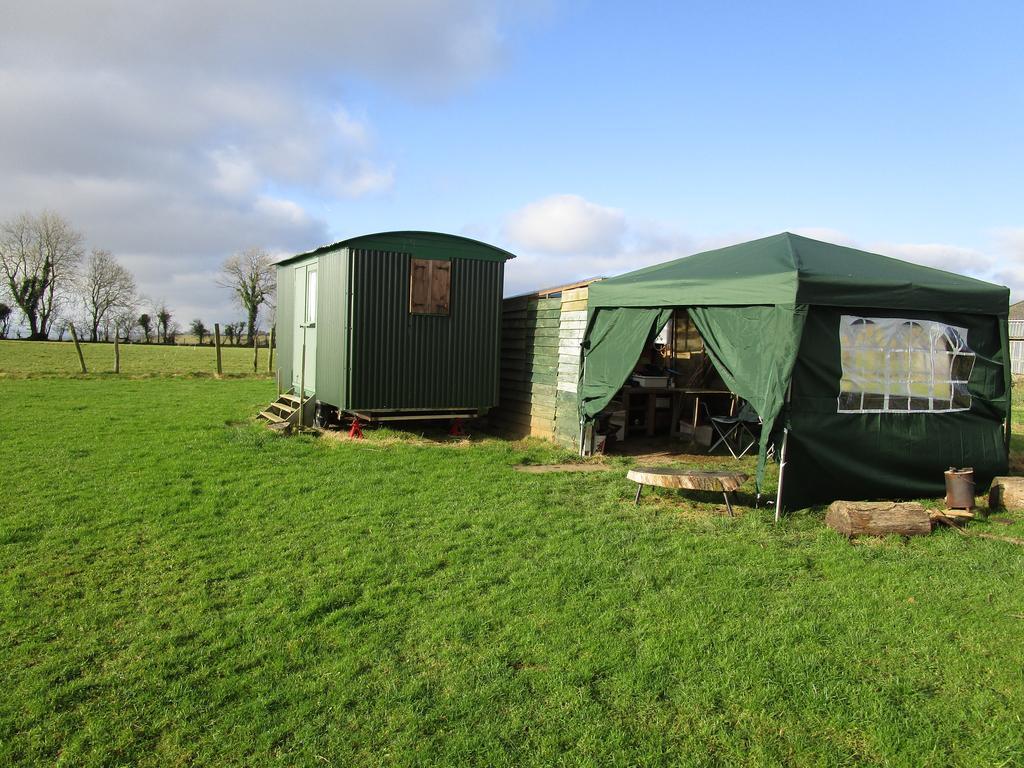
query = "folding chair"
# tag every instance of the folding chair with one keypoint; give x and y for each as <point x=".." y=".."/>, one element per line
<point x="738" y="428"/>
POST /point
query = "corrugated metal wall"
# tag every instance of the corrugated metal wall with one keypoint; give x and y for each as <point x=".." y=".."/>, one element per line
<point x="285" y="323"/>
<point x="332" y="327"/>
<point x="402" y="361"/>
<point x="1017" y="347"/>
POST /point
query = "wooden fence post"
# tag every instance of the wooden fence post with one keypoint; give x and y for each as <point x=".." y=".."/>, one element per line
<point x="270" y="351"/>
<point x="78" y="347"/>
<point x="117" y="355"/>
<point x="216" y="342"/>
<point x="255" y="352"/>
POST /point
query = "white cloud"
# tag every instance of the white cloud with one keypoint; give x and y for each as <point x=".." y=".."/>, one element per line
<point x="564" y="238"/>
<point x="567" y="224"/>
<point x="234" y="173"/>
<point x="999" y="259"/>
<point x="827" y="234"/>
<point x="174" y="134"/>
<point x="417" y="45"/>
<point x="952" y="258"/>
<point x="351" y="130"/>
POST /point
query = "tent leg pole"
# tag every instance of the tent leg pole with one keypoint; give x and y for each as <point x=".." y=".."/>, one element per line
<point x="782" y="472"/>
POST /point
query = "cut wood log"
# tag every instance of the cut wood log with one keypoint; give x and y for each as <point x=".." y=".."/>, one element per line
<point x="878" y="518"/>
<point x="1007" y="493"/>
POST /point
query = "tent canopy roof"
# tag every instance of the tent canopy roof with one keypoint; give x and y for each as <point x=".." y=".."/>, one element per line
<point x="789" y="269"/>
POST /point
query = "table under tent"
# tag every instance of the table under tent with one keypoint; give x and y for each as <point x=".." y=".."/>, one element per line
<point x="870" y="376"/>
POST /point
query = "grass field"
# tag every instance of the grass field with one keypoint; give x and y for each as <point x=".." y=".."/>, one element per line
<point x="179" y="586"/>
<point x="53" y="358"/>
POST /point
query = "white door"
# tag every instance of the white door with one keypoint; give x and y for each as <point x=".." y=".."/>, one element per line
<point x="305" y="328"/>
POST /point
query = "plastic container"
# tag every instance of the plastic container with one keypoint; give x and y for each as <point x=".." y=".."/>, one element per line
<point x="651" y="382"/>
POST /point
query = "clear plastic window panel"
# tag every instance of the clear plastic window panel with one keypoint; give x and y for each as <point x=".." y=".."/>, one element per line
<point x="892" y="365"/>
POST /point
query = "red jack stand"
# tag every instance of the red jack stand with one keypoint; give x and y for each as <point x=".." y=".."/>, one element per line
<point x="456" y="429"/>
<point x="355" y="432"/>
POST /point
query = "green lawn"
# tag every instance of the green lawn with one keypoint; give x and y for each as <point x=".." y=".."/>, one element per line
<point x="53" y="358"/>
<point x="181" y="586"/>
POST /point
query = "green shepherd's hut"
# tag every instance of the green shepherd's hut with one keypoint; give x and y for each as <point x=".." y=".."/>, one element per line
<point x="391" y="325"/>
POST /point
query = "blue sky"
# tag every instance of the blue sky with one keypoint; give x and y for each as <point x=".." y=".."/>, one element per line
<point x="589" y="138"/>
<point x="903" y="124"/>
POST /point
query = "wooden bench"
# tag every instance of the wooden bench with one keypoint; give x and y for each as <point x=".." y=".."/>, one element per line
<point x="687" y="479"/>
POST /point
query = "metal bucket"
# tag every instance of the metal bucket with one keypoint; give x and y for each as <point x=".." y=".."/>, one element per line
<point x="960" y="488"/>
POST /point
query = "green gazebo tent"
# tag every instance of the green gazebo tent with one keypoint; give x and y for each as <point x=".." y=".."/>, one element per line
<point x="871" y="375"/>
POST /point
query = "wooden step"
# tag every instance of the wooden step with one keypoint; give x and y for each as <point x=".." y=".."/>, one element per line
<point x="273" y="418"/>
<point x="282" y="408"/>
<point x="292" y="399"/>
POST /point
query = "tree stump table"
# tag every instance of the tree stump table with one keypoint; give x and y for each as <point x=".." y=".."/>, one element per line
<point x="688" y="480"/>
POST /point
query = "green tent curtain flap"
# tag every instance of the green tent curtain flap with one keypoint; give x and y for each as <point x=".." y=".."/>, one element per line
<point x="615" y="338"/>
<point x="754" y="349"/>
<point x="1004" y="343"/>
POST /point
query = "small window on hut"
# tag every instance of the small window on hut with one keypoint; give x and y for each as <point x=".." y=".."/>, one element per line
<point x="430" y="286"/>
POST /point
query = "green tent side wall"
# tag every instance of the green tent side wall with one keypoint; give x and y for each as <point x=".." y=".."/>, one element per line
<point x="833" y="455"/>
<point x="769" y="312"/>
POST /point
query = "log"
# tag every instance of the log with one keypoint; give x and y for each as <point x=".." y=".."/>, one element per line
<point x="1006" y="493"/>
<point x="878" y="518"/>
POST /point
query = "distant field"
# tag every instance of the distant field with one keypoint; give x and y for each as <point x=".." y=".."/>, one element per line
<point x="59" y="358"/>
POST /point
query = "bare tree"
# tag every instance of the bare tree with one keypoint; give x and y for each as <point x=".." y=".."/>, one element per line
<point x="250" y="276"/>
<point x="126" y="320"/>
<point x="5" y="320"/>
<point x="106" y="288"/>
<point x="171" y="332"/>
<point x="38" y="257"/>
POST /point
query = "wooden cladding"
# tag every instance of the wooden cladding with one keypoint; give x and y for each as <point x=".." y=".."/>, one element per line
<point x="540" y="359"/>
<point x="430" y="286"/>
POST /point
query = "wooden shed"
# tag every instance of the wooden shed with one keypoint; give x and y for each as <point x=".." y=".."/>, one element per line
<point x="540" y="341"/>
